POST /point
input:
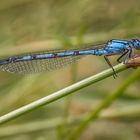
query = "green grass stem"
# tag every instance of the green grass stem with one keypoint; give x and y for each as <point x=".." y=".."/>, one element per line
<point x="104" y="104"/>
<point x="59" y="94"/>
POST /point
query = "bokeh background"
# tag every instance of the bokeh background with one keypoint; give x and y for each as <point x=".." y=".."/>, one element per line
<point x="37" y="25"/>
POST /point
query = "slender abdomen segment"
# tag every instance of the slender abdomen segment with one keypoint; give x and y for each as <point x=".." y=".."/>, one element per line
<point x="93" y="52"/>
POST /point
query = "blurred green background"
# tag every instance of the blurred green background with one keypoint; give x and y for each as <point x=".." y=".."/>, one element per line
<point x="36" y="25"/>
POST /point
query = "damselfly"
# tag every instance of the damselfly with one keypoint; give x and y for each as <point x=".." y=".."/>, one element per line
<point x="32" y="63"/>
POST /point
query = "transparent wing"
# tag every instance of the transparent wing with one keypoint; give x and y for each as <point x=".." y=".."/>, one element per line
<point x="35" y="66"/>
<point x="41" y="65"/>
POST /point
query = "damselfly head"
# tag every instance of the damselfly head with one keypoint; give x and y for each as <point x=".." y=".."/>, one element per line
<point x="136" y="44"/>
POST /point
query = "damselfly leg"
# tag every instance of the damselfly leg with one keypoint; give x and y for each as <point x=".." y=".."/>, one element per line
<point x="110" y="65"/>
<point x="128" y="53"/>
